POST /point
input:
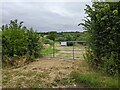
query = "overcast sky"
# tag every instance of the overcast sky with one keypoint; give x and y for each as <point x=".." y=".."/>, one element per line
<point x="45" y="15"/>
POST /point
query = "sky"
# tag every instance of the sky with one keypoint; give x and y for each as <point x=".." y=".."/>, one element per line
<point x="45" y="15"/>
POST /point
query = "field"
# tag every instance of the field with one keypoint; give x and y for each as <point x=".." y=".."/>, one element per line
<point x="58" y="72"/>
<point x="51" y="51"/>
<point x="66" y="52"/>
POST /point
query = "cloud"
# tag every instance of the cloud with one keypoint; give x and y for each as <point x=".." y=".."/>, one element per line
<point x="47" y="1"/>
<point x="45" y="16"/>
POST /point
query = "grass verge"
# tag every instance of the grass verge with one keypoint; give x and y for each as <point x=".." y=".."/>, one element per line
<point x="94" y="79"/>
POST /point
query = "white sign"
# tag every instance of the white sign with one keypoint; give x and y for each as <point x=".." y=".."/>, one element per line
<point x="63" y="43"/>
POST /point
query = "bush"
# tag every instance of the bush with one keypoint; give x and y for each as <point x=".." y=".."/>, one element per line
<point x="18" y="41"/>
<point x="47" y="41"/>
<point x="103" y="27"/>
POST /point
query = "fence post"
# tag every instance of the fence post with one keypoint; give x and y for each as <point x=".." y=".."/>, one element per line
<point x="73" y="50"/>
<point x="53" y="49"/>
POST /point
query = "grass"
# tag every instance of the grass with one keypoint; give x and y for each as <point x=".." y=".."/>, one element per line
<point x="47" y="51"/>
<point x="82" y="76"/>
<point x="94" y="79"/>
<point x="30" y="79"/>
<point x="86" y="79"/>
<point x="64" y="81"/>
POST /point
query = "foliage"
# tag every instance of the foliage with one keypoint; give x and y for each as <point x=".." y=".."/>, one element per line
<point x="86" y="79"/>
<point x="103" y="26"/>
<point x="66" y="36"/>
<point x="94" y="79"/>
<point x="47" y="51"/>
<point x="72" y="36"/>
<point x="52" y="35"/>
<point x="18" y="41"/>
<point x="47" y="41"/>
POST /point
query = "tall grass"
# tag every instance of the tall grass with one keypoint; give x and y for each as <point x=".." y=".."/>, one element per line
<point x="94" y="79"/>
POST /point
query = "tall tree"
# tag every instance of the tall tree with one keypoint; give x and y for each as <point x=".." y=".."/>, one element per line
<point x="103" y="26"/>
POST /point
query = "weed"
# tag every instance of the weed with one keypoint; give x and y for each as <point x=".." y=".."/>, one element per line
<point x="94" y="79"/>
<point x="87" y="79"/>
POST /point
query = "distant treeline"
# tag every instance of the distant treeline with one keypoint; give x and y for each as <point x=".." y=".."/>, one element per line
<point x="22" y="45"/>
<point x="65" y="36"/>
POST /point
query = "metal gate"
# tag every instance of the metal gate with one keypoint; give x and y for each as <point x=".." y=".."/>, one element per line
<point x="69" y="50"/>
<point x="73" y="50"/>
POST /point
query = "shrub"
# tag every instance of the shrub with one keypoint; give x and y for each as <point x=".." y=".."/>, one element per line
<point x="47" y="41"/>
<point x="103" y="26"/>
<point x="18" y="41"/>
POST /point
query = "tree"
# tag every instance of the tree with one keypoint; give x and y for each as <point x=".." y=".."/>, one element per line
<point x="52" y="35"/>
<point x="103" y="26"/>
